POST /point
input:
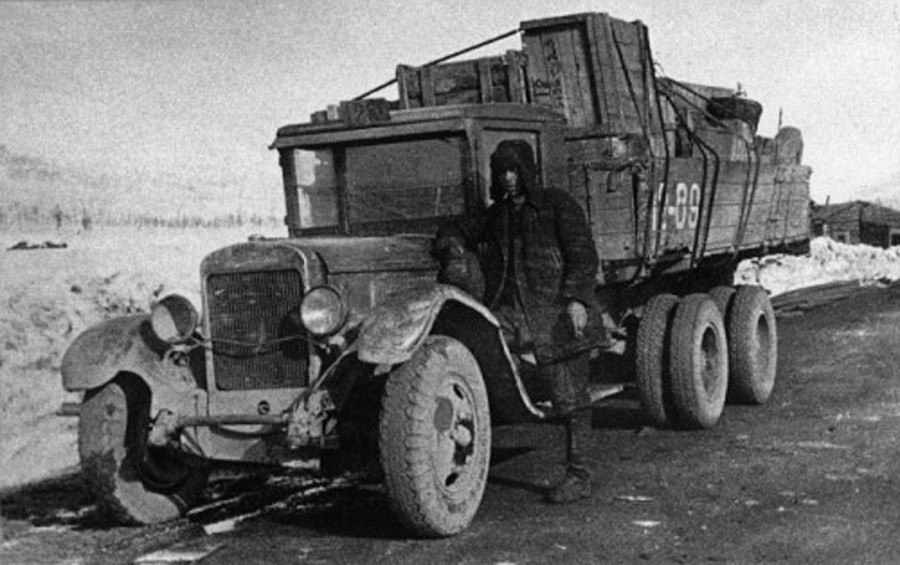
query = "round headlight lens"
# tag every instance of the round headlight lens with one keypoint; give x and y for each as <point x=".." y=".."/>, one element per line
<point x="174" y="319"/>
<point x="322" y="311"/>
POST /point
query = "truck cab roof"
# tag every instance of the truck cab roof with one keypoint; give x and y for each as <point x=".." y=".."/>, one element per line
<point x="403" y="122"/>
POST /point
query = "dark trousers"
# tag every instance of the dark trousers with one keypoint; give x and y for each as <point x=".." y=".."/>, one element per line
<point x="567" y="378"/>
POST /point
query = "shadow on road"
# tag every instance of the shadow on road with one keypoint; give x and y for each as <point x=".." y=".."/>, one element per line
<point x="61" y="501"/>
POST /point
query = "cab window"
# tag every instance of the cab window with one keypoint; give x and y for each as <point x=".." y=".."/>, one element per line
<point x="412" y="179"/>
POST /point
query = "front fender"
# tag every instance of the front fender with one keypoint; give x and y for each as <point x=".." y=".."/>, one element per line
<point x="394" y="331"/>
<point x="127" y="345"/>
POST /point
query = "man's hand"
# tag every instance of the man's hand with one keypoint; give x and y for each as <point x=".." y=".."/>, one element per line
<point x="577" y="316"/>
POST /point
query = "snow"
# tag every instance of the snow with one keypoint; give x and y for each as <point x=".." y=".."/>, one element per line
<point x="49" y="296"/>
<point x="828" y="261"/>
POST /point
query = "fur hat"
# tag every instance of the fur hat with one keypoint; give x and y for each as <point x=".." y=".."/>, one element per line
<point x="513" y="155"/>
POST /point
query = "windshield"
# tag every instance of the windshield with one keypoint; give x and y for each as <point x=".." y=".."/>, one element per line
<point x="316" y="180"/>
<point x="412" y="179"/>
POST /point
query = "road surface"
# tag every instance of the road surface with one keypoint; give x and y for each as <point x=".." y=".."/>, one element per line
<point x="813" y="476"/>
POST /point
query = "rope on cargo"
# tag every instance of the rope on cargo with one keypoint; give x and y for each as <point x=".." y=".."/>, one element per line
<point x="668" y="160"/>
<point x="706" y="150"/>
<point x="750" y="185"/>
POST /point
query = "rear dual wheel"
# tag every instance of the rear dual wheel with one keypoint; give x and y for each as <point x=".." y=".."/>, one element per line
<point x="682" y="346"/>
<point x="651" y="359"/>
<point x="681" y="362"/>
<point x="698" y="357"/>
<point x="752" y="346"/>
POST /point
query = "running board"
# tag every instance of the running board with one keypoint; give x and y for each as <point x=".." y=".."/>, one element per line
<point x="598" y="392"/>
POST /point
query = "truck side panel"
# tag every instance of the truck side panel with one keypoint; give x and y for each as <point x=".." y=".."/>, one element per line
<point x="745" y="206"/>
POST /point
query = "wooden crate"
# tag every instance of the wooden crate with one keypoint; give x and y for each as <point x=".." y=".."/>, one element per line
<point x="595" y="69"/>
<point x="476" y="81"/>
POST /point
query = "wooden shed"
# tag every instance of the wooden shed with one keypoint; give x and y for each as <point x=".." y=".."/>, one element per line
<point x="857" y="222"/>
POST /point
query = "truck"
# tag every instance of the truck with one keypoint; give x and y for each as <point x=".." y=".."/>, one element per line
<point x="334" y="350"/>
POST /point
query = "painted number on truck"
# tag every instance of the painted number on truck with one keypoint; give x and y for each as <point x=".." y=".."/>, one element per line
<point x="681" y="209"/>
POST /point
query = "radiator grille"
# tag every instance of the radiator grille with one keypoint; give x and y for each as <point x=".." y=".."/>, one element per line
<point x="251" y="323"/>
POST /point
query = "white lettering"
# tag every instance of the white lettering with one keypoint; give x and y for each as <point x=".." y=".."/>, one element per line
<point x="683" y="209"/>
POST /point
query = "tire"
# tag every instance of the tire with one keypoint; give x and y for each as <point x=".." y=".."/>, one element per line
<point x="735" y="108"/>
<point x="435" y="438"/>
<point x="722" y="296"/>
<point x="651" y="359"/>
<point x="753" y="346"/>
<point x="698" y="363"/>
<point x="132" y="484"/>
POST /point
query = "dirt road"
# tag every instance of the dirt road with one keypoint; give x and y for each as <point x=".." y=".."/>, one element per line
<point x="814" y="476"/>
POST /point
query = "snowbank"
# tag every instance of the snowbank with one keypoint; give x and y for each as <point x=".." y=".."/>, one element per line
<point x="828" y="261"/>
<point x="49" y="296"/>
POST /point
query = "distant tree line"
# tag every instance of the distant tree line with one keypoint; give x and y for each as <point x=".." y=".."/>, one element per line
<point x="18" y="216"/>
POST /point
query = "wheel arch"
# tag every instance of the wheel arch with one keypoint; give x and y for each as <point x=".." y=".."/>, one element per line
<point x="125" y="348"/>
<point x="508" y="398"/>
<point x="394" y="333"/>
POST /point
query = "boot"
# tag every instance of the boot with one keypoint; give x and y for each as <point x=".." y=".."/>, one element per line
<point x="575" y="486"/>
<point x="577" y="482"/>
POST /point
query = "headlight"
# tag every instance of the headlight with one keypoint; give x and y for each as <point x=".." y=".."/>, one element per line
<point x="322" y="311"/>
<point x="174" y="318"/>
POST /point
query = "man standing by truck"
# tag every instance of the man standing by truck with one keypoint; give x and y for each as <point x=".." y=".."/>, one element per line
<point x="538" y="268"/>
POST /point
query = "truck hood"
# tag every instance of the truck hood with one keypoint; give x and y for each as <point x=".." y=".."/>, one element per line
<point x="343" y="255"/>
<point x="330" y="255"/>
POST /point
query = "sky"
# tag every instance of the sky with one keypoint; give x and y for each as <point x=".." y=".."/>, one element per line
<point x="197" y="89"/>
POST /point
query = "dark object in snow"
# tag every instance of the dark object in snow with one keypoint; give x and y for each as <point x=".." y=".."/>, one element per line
<point x="26" y="246"/>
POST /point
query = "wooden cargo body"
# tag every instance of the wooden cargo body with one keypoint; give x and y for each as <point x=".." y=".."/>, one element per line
<point x="667" y="180"/>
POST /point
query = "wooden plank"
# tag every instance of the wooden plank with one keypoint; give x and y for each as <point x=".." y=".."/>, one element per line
<point x="538" y="79"/>
<point x="581" y="73"/>
<point x="459" y="76"/>
<point x="608" y="67"/>
<point x="549" y="84"/>
<point x="615" y="201"/>
<point x="614" y="222"/>
<point x="737" y="193"/>
<point x="562" y="53"/>
<point x="596" y="68"/>
<point x="484" y="80"/>
<point x="612" y="247"/>
<point x="405" y="75"/>
<point x="754" y="236"/>
<point x="564" y="50"/>
<point x="731" y="215"/>
<point x="426" y="75"/>
<point x="515" y="63"/>
<point x="628" y="70"/>
<point x="605" y="190"/>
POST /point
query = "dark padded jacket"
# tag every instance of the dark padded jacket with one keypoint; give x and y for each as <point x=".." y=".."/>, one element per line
<point x="557" y="262"/>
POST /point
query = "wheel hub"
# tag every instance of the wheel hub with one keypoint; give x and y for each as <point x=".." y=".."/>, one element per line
<point x="454" y="423"/>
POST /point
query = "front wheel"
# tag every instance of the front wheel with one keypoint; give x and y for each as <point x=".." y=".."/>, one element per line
<point x="435" y="438"/>
<point x="133" y="483"/>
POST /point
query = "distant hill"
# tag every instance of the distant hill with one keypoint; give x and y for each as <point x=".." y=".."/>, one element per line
<point x="37" y="190"/>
